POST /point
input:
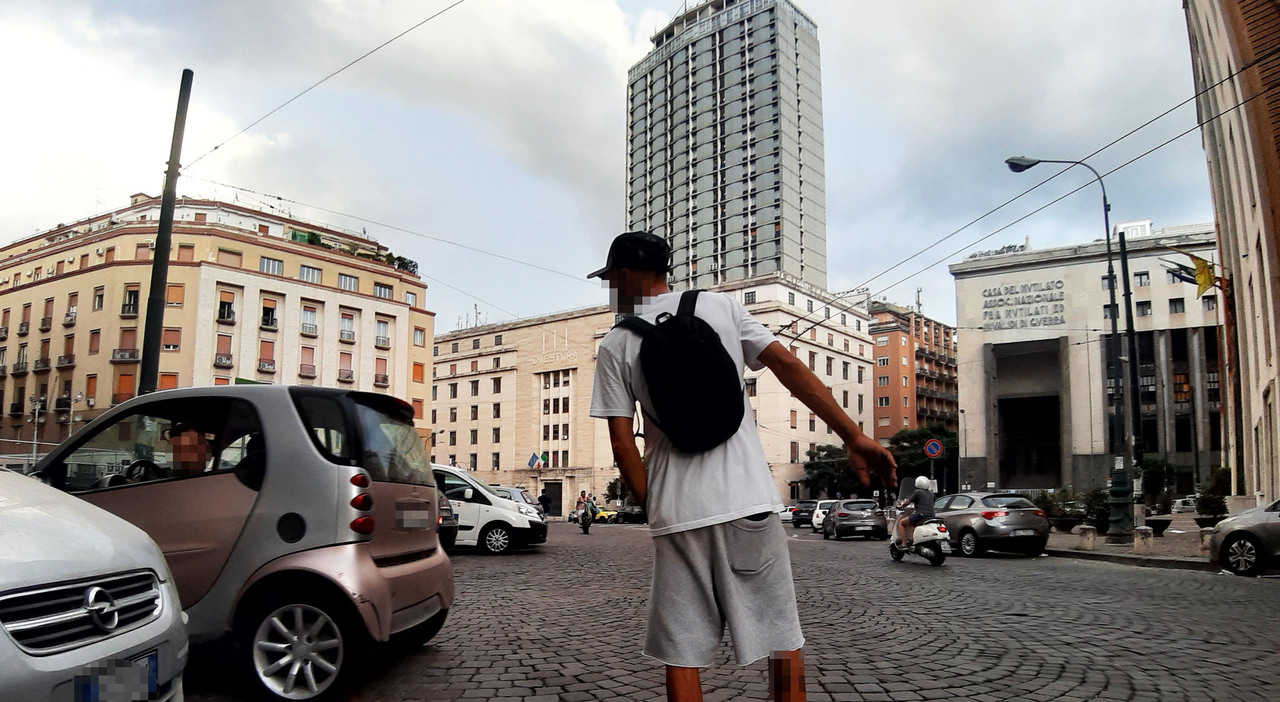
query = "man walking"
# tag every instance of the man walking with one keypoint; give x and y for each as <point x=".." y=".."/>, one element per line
<point x="720" y="554"/>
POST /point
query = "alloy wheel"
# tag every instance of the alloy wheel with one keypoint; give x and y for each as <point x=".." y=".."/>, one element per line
<point x="496" y="540"/>
<point x="1242" y="556"/>
<point x="297" y="651"/>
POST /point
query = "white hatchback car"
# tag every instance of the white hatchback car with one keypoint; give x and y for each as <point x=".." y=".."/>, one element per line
<point x="87" y="604"/>
<point x="820" y="513"/>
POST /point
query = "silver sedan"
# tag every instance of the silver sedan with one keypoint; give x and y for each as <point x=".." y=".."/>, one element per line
<point x="995" y="521"/>
<point x="1248" y="542"/>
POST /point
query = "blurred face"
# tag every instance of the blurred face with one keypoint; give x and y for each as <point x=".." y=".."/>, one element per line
<point x="630" y="289"/>
<point x="190" y="451"/>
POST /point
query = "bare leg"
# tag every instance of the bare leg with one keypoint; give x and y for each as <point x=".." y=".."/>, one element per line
<point x="904" y="535"/>
<point x="683" y="684"/>
<point x="786" y="676"/>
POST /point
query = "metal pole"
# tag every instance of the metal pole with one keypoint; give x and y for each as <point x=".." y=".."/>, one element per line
<point x="154" y="324"/>
<point x="1124" y="493"/>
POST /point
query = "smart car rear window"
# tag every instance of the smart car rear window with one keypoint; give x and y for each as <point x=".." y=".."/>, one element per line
<point x="1008" y="502"/>
<point x="390" y="448"/>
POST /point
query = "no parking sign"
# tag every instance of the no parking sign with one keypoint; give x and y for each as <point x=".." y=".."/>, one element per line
<point x="933" y="448"/>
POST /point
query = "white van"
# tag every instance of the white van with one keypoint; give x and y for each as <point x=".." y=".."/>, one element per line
<point x="485" y="518"/>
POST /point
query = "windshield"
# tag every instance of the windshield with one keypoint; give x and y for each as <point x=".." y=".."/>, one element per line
<point x="1008" y="502"/>
<point x="392" y="449"/>
<point x="806" y="503"/>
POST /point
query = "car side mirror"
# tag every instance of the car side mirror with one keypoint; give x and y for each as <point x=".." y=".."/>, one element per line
<point x="468" y="494"/>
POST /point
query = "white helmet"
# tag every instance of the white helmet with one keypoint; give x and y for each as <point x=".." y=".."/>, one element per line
<point x="923" y="483"/>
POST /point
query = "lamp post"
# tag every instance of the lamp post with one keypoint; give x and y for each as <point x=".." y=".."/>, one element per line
<point x="36" y="408"/>
<point x="1123" y="456"/>
<point x="964" y="449"/>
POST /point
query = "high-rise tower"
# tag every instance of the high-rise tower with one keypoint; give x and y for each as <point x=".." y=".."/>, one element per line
<point x="725" y="149"/>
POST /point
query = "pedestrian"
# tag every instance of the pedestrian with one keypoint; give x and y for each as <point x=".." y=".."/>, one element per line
<point x="720" y="554"/>
<point x="545" y="501"/>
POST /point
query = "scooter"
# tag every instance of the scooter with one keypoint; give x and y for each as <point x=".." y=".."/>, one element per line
<point x="929" y="540"/>
<point x="585" y="518"/>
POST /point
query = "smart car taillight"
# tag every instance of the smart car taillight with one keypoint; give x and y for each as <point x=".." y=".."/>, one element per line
<point x="992" y="514"/>
<point x="360" y="480"/>
<point x="362" y="525"/>
<point x="362" y="502"/>
<point x="942" y="529"/>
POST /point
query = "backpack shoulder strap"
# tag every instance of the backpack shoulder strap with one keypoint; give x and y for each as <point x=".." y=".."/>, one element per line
<point x="688" y="301"/>
<point x="635" y="324"/>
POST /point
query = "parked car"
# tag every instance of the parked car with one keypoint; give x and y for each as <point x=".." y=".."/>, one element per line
<point x="632" y="514"/>
<point x="298" y="522"/>
<point x="1185" y="504"/>
<point x="1249" y="542"/>
<point x="485" y="518"/>
<point x="518" y="495"/>
<point x="448" y="531"/>
<point x="820" y="513"/>
<point x="996" y="521"/>
<point x="786" y="513"/>
<point x="86" y="600"/>
<point x="803" y="514"/>
<point x="855" y="518"/>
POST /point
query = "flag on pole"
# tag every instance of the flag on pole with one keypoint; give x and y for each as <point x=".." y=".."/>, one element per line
<point x="1204" y="274"/>
<point x="534" y="461"/>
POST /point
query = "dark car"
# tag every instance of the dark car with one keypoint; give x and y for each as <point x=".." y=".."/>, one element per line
<point x="448" y="529"/>
<point x="632" y="514"/>
<point x="1249" y="542"/>
<point x="803" y="516"/>
<point x="993" y="521"/>
<point x="855" y="518"/>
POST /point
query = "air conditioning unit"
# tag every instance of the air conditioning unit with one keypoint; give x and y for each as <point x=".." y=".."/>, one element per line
<point x="4" y="280"/>
<point x="89" y="401"/>
<point x="30" y="272"/>
<point x="49" y="270"/>
<point x="98" y="251"/>
<point x="151" y="243"/>
<point x="71" y="259"/>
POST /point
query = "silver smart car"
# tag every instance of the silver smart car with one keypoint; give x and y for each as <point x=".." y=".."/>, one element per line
<point x="300" y="523"/>
<point x="87" y="607"/>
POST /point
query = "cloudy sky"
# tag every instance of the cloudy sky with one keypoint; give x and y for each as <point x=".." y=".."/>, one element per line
<point x="501" y="125"/>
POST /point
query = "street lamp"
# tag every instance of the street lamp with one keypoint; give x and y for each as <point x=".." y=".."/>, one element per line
<point x="964" y="447"/>
<point x="1123" y="457"/>
<point x="37" y="406"/>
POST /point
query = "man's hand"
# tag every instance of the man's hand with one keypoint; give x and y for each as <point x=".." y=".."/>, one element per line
<point x="866" y="454"/>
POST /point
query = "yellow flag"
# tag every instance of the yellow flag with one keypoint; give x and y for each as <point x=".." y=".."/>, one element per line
<point x="1204" y="275"/>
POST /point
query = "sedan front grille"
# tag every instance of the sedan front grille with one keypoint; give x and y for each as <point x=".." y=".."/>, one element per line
<point x="61" y="617"/>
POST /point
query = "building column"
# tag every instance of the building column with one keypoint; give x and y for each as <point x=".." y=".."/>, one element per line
<point x="1164" y="392"/>
<point x="1200" y="402"/>
<point x="990" y="419"/>
<point x="1066" y="446"/>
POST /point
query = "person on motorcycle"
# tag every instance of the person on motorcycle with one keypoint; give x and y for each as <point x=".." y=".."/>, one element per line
<point x="923" y="500"/>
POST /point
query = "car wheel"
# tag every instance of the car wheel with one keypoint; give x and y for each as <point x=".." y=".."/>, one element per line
<point x="1241" y="555"/>
<point x="496" y="539"/>
<point x="969" y="545"/>
<point x="301" y="648"/>
<point x="835" y="534"/>
<point x="418" y="635"/>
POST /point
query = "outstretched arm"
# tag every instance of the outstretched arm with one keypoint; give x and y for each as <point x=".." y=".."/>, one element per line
<point x="623" y="441"/>
<point x="865" y="453"/>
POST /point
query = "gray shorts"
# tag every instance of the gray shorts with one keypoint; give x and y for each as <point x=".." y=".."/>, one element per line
<point x="737" y="573"/>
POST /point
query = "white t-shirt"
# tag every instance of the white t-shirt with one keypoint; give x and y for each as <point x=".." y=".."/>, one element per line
<point x="691" y="490"/>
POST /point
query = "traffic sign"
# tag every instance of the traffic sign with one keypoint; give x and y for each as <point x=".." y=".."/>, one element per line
<point x="933" y="448"/>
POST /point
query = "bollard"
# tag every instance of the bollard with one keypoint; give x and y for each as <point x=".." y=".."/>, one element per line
<point x="1088" y="538"/>
<point x="1143" y="537"/>
<point x="1206" y="533"/>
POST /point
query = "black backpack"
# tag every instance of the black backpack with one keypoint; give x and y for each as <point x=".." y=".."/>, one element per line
<point x="694" y="384"/>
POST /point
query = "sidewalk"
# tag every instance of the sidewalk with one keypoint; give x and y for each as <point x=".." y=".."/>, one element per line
<point x="1178" y="548"/>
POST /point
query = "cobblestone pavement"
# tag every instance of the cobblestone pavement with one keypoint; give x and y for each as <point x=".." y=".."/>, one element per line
<point x="565" y="622"/>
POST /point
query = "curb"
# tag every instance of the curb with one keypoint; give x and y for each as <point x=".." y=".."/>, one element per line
<point x="1171" y="562"/>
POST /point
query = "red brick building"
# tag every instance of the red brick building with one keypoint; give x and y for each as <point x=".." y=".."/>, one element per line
<point x="915" y="371"/>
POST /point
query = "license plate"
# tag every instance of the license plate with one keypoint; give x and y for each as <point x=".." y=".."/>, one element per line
<point x="863" y="528"/>
<point x="132" y="679"/>
<point x="946" y="547"/>
<point x="1024" y="532"/>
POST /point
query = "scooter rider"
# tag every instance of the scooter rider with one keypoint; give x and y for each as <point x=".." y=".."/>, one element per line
<point x="923" y="500"/>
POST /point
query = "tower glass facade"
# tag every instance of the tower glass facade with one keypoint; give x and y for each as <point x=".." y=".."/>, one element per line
<point x="725" y="147"/>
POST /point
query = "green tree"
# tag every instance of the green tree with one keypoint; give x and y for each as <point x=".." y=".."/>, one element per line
<point x="907" y="447"/>
<point x="828" y="470"/>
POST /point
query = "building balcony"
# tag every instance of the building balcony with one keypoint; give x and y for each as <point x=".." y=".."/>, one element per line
<point x="129" y="310"/>
<point x="19" y="368"/>
<point x="62" y="404"/>
<point x="266" y="365"/>
<point x="346" y="375"/>
<point x="381" y="380"/>
<point x="382" y="342"/>
<point x="41" y="365"/>
<point x="226" y="317"/>
<point x="69" y="319"/>
<point x="15" y="409"/>
<point x="269" y="324"/>
<point x="4" y="370"/>
<point x="117" y="398"/>
<point x="347" y="336"/>
<point x="306" y="370"/>
<point x="4" y="333"/>
<point x="23" y="328"/>
<point x="46" y="323"/>
<point x="223" y="360"/>
<point x="308" y="329"/>
<point x="125" y="356"/>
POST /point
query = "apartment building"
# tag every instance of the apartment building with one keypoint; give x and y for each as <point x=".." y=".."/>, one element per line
<point x="915" y="371"/>
<point x="725" y="152"/>
<point x="511" y="401"/>
<point x="250" y="296"/>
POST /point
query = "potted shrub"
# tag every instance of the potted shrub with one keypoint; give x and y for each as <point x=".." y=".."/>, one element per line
<point x="1062" y="508"/>
<point x="1211" y="506"/>
<point x="1097" y="509"/>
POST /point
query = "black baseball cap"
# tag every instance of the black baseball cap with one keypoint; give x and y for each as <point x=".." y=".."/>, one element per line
<point x="637" y="251"/>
